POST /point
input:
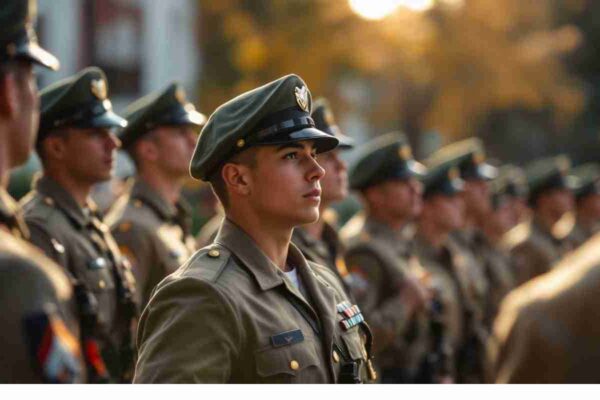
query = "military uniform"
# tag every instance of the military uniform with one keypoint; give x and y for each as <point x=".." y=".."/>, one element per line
<point x="378" y="259"/>
<point x="544" y="333"/>
<point x="457" y="278"/>
<point x="76" y="238"/>
<point x="38" y="336"/>
<point x="533" y="247"/>
<point x="241" y="319"/>
<point x="209" y="230"/>
<point x="152" y="233"/>
<point x="588" y="184"/>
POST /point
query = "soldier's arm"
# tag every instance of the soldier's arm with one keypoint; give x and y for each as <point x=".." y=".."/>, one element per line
<point x="189" y="333"/>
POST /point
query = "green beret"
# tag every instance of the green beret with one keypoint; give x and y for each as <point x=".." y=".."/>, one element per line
<point x="547" y="174"/>
<point x="588" y="176"/>
<point x="325" y="121"/>
<point x="18" y="40"/>
<point x="388" y="157"/>
<point x="79" y="101"/>
<point x="469" y="157"/>
<point x="443" y="176"/>
<point x="274" y="114"/>
<point x="168" y="107"/>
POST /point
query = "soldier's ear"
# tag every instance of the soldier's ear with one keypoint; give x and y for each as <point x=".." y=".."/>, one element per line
<point x="146" y="150"/>
<point x="53" y="146"/>
<point x="237" y="178"/>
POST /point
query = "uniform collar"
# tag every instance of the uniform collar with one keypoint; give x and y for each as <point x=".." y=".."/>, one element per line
<point x="10" y="215"/>
<point x="146" y="194"/>
<point x="55" y="194"/>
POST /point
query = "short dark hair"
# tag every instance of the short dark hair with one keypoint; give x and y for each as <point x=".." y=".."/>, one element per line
<point x="219" y="187"/>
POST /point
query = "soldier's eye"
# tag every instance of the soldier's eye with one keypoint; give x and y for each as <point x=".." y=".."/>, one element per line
<point x="291" y="156"/>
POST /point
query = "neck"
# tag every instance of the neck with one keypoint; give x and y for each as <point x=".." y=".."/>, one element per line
<point x="316" y="229"/>
<point x="432" y="233"/>
<point x="168" y="188"/>
<point x="546" y="220"/>
<point x="379" y="214"/>
<point x="272" y="239"/>
<point x="79" y="190"/>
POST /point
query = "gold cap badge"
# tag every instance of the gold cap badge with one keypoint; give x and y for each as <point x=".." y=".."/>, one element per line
<point x="478" y="158"/>
<point x="302" y="97"/>
<point x="98" y="88"/>
<point x="453" y="173"/>
<point x="180" y="95"/>
<point x="405" y="152"/>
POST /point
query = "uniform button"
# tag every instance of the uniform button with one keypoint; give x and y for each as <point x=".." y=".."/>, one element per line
<point x="137" y="203"/>
<point x="102" y="284"/>
<point x="214" y="253"/>
<point x="336" y="357"/>
<point x="48" y="201"/>
<point x="294" y="365"/>
<point x="241" y="143"/>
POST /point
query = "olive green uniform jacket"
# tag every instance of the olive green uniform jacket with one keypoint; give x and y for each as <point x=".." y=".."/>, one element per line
<point x="378" y="260"/>
<point x="78" y="241"/>
<point x="36" y="301"/>
<point x="153" y="234"/>
<point x="328" y="251"/>
<point x="547" y="331"/>
<point x="229" y="315"/>
<point x="534" y="250"/>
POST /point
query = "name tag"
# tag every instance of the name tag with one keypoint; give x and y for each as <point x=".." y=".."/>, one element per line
<point x="97" y="263"/>
<point x="287" y="338"/>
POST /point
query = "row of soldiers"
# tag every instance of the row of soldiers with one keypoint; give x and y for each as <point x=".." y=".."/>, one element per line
<point x="406" y="292"/>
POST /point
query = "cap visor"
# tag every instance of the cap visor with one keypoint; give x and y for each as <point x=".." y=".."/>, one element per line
<point x="189" y="118"/>
<point x="108" y="120"/>
<point x="38" y="55"/>
<point x="416" y="169"/>
<point x="323" y="142"/>
<point x="346" y="142"/>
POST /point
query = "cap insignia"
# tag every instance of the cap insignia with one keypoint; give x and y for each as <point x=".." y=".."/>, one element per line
<point x="180" y="95"/>
<point x="453" y="173"/>
<point x="98" y="88"/>
<point x="478" y="158"/>
<point x="302" y="97"/>
<point x="405" y="152"/>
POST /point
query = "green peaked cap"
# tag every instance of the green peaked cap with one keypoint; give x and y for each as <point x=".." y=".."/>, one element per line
<point x="274" y="114"/>
<point x="168" y="107"/>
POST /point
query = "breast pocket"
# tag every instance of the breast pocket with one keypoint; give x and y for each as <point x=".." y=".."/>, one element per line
<point x="354" y="345"/>
<point x="288" y="364"/>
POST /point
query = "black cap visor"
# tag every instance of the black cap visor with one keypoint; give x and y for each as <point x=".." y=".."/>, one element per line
<point x="106" y="120"/>
<point x="323" y="142"/>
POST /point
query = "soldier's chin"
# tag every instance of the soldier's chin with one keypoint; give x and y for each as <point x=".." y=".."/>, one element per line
<point x="310" y="216"/>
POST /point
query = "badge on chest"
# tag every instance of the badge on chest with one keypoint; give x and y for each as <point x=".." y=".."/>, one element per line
<point x="351" y="315"/>
<point x="287" y="338"/>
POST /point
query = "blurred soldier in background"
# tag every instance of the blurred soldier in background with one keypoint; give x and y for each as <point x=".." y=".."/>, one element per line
<point x="378" y="256"/>
<point x="319" y="241"/>
<point x="533" y="246"/>
<point x="76" y="146"/>
<point x="38" y="339"/>
<point x="514" y="183"/>
<point x="453" y="274"/>
<point x="152" y="223"/>
<point x="587" y="204"/>
<point x="546" y="331"/>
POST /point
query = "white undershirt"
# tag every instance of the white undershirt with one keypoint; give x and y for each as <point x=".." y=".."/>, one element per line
<point x="293" y="277"/>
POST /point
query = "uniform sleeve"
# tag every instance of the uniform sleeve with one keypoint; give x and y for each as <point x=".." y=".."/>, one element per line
<point x="528" y="263"/>
<point x="389" y="320"/>
<point x="37" y="340"/>
<point x="189" y="333"/>
<point x="136" y="244"/>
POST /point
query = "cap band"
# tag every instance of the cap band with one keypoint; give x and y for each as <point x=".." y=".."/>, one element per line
<point x="281" y="122"/>
<point x="87" y="112"/>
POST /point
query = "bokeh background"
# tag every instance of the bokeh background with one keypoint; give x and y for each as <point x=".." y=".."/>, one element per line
<point x="522" y="75"/>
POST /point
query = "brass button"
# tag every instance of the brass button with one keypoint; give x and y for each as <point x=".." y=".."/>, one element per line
<point x="48" y="201"/>
<point x="336" y="357"/>
<point x="214" y="253"/>
<point x="101" y="284"/>
<point x="137" y="204"/>
<point x="294" y="365"/>
<point x="241" y="143"/>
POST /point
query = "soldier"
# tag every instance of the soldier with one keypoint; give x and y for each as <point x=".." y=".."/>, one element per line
<point x="38" y="336"/>
<point x="319" y="242"/>
<point x="249" y="307"/>
<point x="382" y="279"/>
<point x="501" y="218"/>
<point x="152" y="223"/>
<point x="587" y="204"/>
<point x="453" y="275"/>
<point x="546" y="332"/>
<point x="533" y="246"/>
<point x="76" y="147"/>
<point x="514" y="183"/>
